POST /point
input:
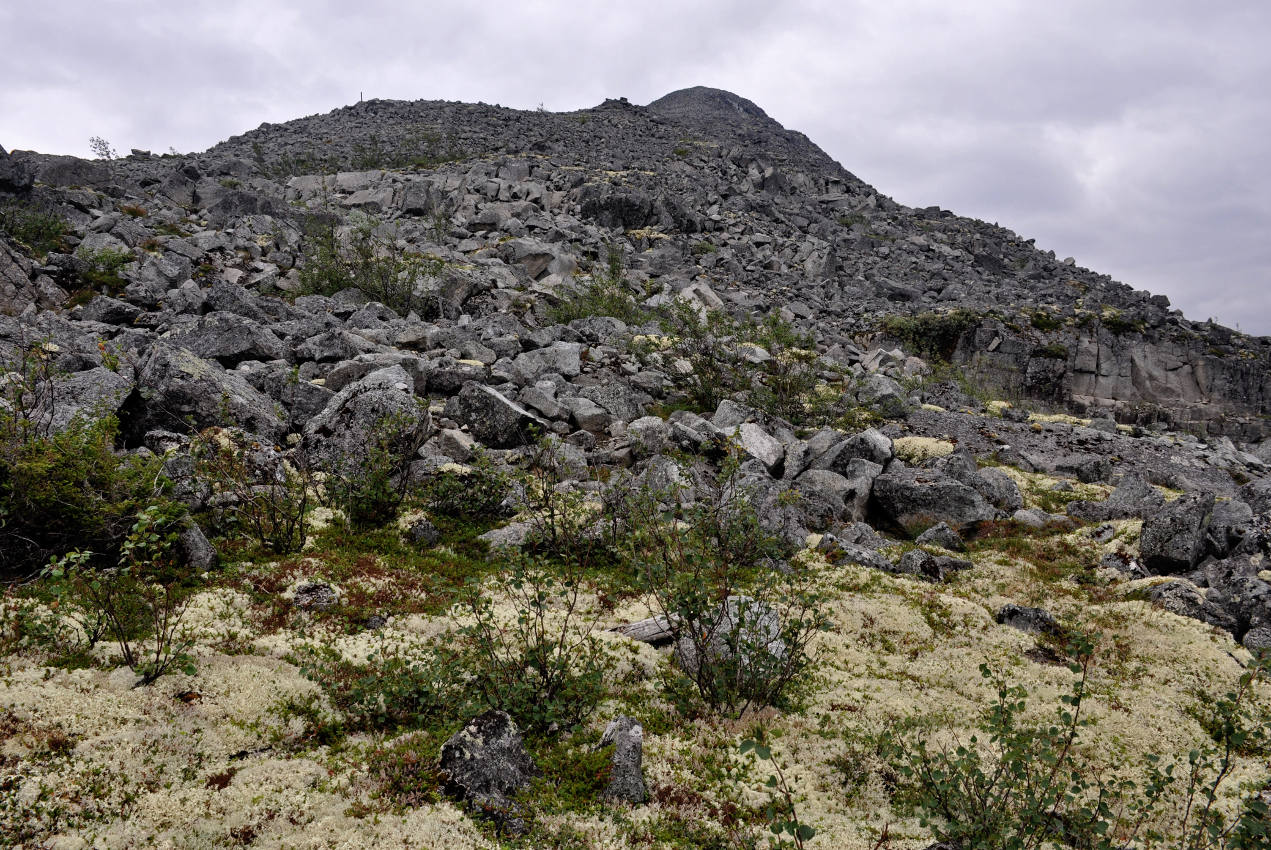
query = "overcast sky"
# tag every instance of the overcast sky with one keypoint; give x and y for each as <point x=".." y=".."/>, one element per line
<point x="1130" y="134"/>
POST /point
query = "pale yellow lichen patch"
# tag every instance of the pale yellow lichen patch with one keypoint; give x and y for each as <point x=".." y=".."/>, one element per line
<point x="934" y="408"/>
<point x="917" y="450"/>
<point x="997" y="406"/>
<point x="1058" y="418"/>
<point x="1034" y="486"/>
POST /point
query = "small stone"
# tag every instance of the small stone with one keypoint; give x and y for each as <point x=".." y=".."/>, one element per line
<point x="626" y="782"/>
<point x="315" y="596"/>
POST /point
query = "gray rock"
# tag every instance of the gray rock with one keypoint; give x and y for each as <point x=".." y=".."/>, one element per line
<point x="921" y="564"/>
<point x="178" y="389"/>
<point x="108" y="311"/>
<point x="1258" y="640"/>
<point x="619" y="400"/>
<point x="760" y="445"/>
<point x="871" y="445"/>
<point x="1229" y="525"/>
<point x="1133" y="497"/>
<point x="315" y="596"/>
<point x="492" y="418"/>
<point x="586" y="414"/>
<point x="1000" y="489"/>
<point x="380" y="411"/>
<point x="884" y="395"/>
<point x="15" y="177"/>
<point x="1173" y="538"/>
<point x="1037" y="621"/>
<point x="913" y="500"/>
<point x="423" y="533"/>
<point x="229" y="339"/>
<point x="648" y="436"/>
<point x="561" y="358"/>
<point x="485" y="764"/>
<point x="200" y="554"/>
<point x="838" y="550"/>
<point x="1180" y="597"/>
<point x="943" y="536"/>
<point x="626" y="778"/>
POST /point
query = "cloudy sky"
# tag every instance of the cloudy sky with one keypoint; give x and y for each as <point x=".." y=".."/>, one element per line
<point x="1131" y="134"/>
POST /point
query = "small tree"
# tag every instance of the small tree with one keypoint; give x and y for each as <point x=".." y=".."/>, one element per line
<point x="741" y="618"/>
<point x="143" y="599"/>
<point x="101" y="148"/>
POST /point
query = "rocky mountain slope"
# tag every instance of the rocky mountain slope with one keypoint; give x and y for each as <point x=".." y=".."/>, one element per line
<point x="336" y="370"/>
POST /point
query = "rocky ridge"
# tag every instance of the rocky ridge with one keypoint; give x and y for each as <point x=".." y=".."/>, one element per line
<point x="207" y="317"/>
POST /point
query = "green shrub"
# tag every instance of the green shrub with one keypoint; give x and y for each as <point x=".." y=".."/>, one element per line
<point x="714" y="347"/>
<point x="1052" y="351"/>
<point x="932" y="335"/>
<point x="1027" y="786"/>
<point x="604" y="294"/>
<point x="392" y="691"/>
<point x="369" y="489"/>
<point x="370" y="263"/>
<point x="254" y="490"/>
<point x="103" y="271"/>
<point x="37" y="231"/>
<point x="789" y="378"/>
<point x="142" y="600"/>
<point x="1045" y="321"/>
<point x="780" y="812"/>
<point x="741" y="620"/>
<point x="543" y="665"/>
<point x="476" y="493"/>
<point x="69" y="490"/>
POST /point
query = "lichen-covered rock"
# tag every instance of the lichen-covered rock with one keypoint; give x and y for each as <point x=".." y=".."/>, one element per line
<point x="1133" y="497"/>
<point x="943" y="536"/>
<point x="485" y="764"/>
<point x="626" y="777"/>
<point x="380" y="411"/>
<point x="492" y="418"/>
<point x="1037" y="621"/>
<point x="176" y="388"/>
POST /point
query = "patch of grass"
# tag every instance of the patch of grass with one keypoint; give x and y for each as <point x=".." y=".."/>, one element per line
<point x="931" y="335"/>
<point x="103" y="271"/>
<point x="1051" y="351"/>
<point x="604" y="294"/>
<point x="37" y="231"/>
<point x="1045" y="321"/>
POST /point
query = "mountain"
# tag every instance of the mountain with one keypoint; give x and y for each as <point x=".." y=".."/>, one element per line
<point x="703" y="434"/>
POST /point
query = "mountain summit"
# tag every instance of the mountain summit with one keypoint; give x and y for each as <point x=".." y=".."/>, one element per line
<point x="703" y="106"/>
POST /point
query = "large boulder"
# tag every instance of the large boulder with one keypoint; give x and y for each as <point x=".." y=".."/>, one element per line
<point x="913" y="500"/>
<point x="88" y="395"/>
<point x="560" y="358"/>
<point x="492" y="418"/>
<point x="1133" y="497"/>
<point x="1173" y="538"/>
<point x="230" y="339"/>
<point x="484" y="765"/>
<point x="826" y="495"/>
<point x="380" y="410"/>
<point x="177" y="390"/>
<point x="15" y="177"/>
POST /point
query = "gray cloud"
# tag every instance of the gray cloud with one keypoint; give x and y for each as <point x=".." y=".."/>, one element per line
<point x="1127" y="134"/>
